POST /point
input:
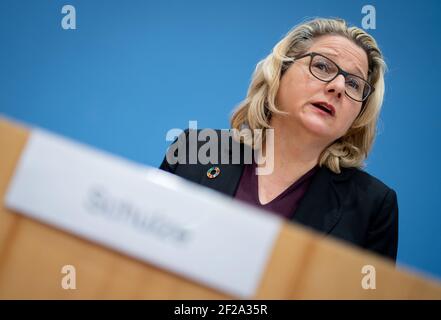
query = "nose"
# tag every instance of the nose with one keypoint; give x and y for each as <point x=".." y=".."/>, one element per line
<point x="336" y="86"/>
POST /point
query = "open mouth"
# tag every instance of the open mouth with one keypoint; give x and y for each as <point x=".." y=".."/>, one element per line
<point x="324" y="108"/>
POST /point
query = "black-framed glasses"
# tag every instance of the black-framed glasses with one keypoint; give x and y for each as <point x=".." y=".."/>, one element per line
<point x="324" y="69"/>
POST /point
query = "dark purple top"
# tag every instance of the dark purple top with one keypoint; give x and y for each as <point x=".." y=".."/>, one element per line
<point x="284" y="204"/>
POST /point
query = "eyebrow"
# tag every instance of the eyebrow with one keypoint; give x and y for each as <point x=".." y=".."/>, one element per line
<point x="361" y="75"/>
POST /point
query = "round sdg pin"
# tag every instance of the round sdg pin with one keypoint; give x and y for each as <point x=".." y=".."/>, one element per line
<point x="213" y="172"/>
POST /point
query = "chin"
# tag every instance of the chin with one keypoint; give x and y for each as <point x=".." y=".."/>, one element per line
<point x="318" y="127"/>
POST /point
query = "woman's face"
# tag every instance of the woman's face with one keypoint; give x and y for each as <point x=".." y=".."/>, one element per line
<point x="299" y="90"/>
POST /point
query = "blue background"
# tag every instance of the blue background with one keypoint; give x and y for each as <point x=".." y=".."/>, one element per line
<point x="132" y="70"/>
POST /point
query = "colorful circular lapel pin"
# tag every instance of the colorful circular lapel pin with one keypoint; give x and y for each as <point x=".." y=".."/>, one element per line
<point x="213" y="172"/>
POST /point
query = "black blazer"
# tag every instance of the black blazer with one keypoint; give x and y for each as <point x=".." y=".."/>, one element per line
<point x="352" y="206"/>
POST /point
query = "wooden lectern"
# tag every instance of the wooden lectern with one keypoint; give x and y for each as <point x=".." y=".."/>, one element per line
<point x="32" y="255"/>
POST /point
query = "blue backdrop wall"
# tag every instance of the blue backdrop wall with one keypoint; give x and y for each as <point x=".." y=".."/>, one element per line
<point x="132" y="70"/>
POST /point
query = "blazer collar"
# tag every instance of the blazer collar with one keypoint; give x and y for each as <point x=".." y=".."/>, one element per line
<point x="321" y="206"/>
<point x="230" y="173"/>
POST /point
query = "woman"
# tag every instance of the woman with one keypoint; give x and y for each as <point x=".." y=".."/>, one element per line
<point x="321" y="90"/>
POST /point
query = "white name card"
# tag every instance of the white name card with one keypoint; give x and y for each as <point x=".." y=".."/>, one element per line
<point x="143" y="212"/>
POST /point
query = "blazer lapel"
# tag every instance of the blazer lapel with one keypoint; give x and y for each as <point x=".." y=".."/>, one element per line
<point x="230" y="173"/>
<point x="227" y="181"/>
<point x="320" y="207"/>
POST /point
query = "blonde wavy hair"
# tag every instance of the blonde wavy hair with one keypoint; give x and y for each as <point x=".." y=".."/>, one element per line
<point x="255" y="111"/>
